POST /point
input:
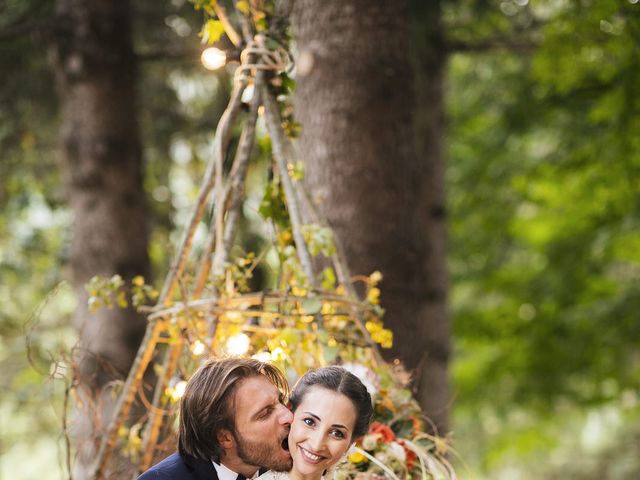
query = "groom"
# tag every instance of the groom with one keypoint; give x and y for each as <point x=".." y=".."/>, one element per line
<point x="232" y="423"/>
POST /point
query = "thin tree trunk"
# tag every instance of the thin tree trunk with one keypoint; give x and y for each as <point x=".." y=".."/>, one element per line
<point x="356" y="101"/>
<point x="94" y="65"/>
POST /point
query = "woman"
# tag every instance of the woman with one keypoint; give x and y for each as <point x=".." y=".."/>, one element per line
<point x="332" y="408"/>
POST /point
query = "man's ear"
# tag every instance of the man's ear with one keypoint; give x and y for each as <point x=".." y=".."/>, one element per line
<point x="225" y="439"/>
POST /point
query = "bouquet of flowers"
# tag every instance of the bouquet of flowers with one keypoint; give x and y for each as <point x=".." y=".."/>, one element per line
<point x="396" y="445"/>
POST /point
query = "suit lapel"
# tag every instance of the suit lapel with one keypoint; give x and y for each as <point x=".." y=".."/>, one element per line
<point x="202" y="469"/>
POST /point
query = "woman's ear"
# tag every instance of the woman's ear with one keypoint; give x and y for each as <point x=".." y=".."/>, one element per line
<point x="225" y="439"/>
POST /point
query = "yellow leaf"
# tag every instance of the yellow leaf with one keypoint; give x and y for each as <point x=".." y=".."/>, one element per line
<point x="373" y="296"/>
<point x="375" y="277"/>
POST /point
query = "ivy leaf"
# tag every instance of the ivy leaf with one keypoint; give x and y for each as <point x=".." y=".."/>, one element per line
<point x="328" y="279"/>
<point x="311" y="305"/>
<point x="211" y="32"/>
<point x="243" y="7"/>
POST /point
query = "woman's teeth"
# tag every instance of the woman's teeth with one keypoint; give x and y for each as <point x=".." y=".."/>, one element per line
<point x="310" y="456"/>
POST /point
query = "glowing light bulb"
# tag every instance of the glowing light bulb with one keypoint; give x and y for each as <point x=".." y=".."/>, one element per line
<point x="213" y="58"/>
<point x="262" y="356"/>
<point x="278" y="354"/>
<point x="197" y="348"/>
<point x="238" y="344"/>
<point x="178" y="391"/>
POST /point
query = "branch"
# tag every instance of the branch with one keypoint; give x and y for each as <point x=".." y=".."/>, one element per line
<point x="229" y="29"/>
<point x="121" y="410"/>
<point x="156" y="415"/>
<point x="221" y="140"/>
<point x="282" y="154"/>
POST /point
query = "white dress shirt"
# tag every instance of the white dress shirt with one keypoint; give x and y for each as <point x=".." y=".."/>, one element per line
<point x="226" y="474"/>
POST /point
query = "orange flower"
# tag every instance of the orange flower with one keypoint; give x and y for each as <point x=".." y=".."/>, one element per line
<point x="411" y="456"/>
<point x="385" y="432"/>
<point x="416" y="423"/>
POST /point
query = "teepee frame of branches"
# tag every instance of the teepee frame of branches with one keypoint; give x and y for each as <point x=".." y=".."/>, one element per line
<point x="223" y="194"/>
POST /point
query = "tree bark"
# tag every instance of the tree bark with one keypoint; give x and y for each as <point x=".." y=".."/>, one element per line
<point x="379" y="189"/>
<point x="101" y="158"/>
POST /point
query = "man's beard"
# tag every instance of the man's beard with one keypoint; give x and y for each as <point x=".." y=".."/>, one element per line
<point x="261" y="454"/>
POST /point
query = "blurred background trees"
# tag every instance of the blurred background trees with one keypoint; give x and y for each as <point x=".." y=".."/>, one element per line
<point x="542" y="158"/>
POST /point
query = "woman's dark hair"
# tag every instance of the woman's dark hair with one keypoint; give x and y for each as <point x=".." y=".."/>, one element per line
<point x="204" y="408"/>
<point x="338" y="380"/>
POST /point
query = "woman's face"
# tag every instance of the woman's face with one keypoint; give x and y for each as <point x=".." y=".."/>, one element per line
<point x="321" y="431"/>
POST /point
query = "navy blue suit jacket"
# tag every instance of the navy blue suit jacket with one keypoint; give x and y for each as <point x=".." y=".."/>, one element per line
<point x="178" y="467"/>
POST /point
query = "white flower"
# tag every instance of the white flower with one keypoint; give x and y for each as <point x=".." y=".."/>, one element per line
<point x="398" y="451"/>
<point x="369" y="442"/>
<point x="365" y="374"/>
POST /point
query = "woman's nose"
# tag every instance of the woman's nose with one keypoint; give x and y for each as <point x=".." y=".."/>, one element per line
<point x="316" y="440"/>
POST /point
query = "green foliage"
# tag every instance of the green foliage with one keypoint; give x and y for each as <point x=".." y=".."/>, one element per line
<point x="113" y="292"/>
<point x="319" y="239"/>
<point x="543" y="194"/>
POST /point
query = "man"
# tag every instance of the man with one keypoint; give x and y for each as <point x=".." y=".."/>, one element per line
<point x="232" y="423"/>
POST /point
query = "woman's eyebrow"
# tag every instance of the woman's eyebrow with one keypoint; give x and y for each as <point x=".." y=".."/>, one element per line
<point x="314" y="416"/>
<point x="340" y="426"/>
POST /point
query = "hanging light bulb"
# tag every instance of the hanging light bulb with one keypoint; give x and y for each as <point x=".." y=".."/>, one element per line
<point x="278" y="354"/>
<point x="238" y="344"/>
<point x="197" y="348"/>
<point x="213" y="58"/>
<point x="262" y="356"/>
<point x="178" y="390"/>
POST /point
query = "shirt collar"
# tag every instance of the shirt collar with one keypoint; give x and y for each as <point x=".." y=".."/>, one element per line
<point x="225" y="473"/>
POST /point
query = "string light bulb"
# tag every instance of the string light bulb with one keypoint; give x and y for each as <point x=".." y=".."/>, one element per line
<point x="238" y="344"/>
<point x="178" y="390"/>
<point x="197" y="348"/>
<point x="213" y="58"/>
<point x="262" y="356"/>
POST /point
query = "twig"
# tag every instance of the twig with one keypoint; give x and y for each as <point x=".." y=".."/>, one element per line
<point x="229" y="29"/>
<point x="121" y="410"/>
<point x="65" y="428"/>
<point x="223" y="133"/>
<point x="155" y="418"/>
<point x="237" y="177"/>
<point x="344" y="276"/>
<point x="281" y="150"/>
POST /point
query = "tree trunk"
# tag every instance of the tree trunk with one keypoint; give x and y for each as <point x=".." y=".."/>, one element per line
<point x="379" y="189"/>
<point x="94" y="65"/>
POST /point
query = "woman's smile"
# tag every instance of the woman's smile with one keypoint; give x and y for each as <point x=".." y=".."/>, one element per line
<point x="321" y="431"/>
<point x="310" y="457"/>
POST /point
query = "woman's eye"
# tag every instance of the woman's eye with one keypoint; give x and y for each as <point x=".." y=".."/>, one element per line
<point x="308" y="421"/>
<point x="338" y="434"/>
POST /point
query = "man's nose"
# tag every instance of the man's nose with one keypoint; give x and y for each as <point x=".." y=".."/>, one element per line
<point x="285" y="417"/>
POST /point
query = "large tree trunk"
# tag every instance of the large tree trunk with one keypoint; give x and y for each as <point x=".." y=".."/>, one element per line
<point x="94" y="65"/>
<point x="379" y="189"/>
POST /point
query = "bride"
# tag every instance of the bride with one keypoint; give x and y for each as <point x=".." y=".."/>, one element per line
<point x="332" y="408"/>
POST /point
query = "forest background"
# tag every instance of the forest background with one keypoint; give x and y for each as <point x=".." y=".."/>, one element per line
<point x="541" y="102"/>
